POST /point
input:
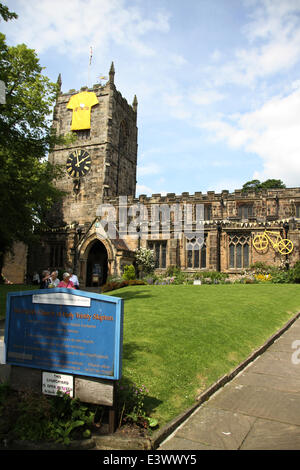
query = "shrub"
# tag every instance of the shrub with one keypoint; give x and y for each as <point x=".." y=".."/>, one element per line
<point x="179" y="278"/>
<point x="136" y="282"/>
<point x="295" y="273"/>
<point x="113" y="285"/>
<point x="173" y="271"/>
<point x="129" y="272"/>
<point x="213" y="277"/>
<point x="119" y="284"/>
<point x="36" y="417"/>
<point x="114" y="279"/>
<point x="130" y="403"/>
<point x="263" y="277"/>
<point x="260" y="268"/>
<point x="280" y="276"/>
<point x="145" y="260"/>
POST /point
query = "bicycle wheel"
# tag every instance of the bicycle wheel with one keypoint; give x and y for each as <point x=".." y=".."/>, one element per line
<point x="285" y="246"/>
<point x="260" y="242"/>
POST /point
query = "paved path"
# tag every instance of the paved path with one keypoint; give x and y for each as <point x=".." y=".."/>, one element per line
<point x="258" y="409"/>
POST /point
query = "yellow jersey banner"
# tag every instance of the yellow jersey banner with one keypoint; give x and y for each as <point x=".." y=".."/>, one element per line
<point x="81" y="104"/>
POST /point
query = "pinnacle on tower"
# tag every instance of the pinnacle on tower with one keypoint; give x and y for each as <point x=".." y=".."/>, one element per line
<point x="135" y="103"/>
<point x="59" y="81"/>
<point x="112" y="73"/>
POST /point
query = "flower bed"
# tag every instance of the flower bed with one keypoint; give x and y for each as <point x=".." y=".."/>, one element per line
<point x="117" y="284"/>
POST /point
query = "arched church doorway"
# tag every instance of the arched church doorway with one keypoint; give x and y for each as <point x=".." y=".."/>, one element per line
<point x="96" y="265"/>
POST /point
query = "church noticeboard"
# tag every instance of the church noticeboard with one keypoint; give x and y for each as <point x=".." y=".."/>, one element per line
<point x="65" y="331"/>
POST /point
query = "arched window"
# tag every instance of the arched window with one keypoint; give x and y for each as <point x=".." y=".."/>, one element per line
<point x="160" y="252"/>
<point x="239" y="250"/>
<point x="123" y="137"/>
<point x="122" y="150"/>
<point x="196" y="251"/>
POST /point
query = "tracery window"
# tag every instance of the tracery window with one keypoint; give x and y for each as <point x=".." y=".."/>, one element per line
<point x="239" y="250"/>
<point x="122" y="150"/>
<point x="196" y="251"/>
<point x="56" y="258"/>
<point x="160" y="252"/>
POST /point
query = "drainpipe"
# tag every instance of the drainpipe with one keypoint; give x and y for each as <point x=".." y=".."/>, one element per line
<point x="286" y="227"/>
<point x="77" y="236"/>
<point x="219" y="231"/>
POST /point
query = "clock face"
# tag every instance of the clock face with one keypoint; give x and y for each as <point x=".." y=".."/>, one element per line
<point x="78" y="163"/>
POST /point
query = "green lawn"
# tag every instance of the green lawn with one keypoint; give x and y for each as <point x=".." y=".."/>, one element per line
<point x="180" y="339"/>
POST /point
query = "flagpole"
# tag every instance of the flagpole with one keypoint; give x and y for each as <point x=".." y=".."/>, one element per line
<point x="89" y="67"/>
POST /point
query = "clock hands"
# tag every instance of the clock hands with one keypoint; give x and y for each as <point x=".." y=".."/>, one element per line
<point x="77" y="166"/>
<point x="82" y="160"/>
<point x="76" y="153"/>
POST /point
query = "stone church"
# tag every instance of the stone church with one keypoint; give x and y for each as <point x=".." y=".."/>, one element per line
<point x="237" y="229"/>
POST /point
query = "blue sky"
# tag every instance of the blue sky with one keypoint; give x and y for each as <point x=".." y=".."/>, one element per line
<point x="217" y="81"/>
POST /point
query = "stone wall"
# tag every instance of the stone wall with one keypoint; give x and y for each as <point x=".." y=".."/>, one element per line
<point x="14" y="268"/>
<point x="224" y="219"/>
<point x="271" y="210"/>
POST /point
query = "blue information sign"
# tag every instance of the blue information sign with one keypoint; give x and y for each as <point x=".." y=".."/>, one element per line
<point x="65" y="330"/>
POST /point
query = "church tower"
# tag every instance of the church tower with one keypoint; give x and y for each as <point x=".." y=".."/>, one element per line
<point x="101" y="159"/>
<point x="98" y="162"/>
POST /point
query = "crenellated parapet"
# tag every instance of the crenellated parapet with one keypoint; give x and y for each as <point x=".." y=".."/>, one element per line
<point x="266" y="205"/>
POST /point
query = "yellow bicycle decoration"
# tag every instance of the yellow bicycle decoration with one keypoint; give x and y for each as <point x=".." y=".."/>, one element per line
<point x="282" y="245"/>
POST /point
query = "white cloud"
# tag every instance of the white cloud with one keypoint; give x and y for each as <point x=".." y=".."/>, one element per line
<point x="270" y="16"/>
<point x="177" y="59"/>
<point x="143" y="189"/>
<point x="206" y="97"/>
<point x="177" y="105"/>
<point x="271" y="132"/>
<point x="150" y="169"/>
<point x="229" y="184"/>
<point x="72" y="26"/>
<point x="216" y="55"/>
<point x="273" y="44"/>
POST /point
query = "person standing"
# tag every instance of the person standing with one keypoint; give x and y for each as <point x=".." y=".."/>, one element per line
<point x="46" y="280"/>
<point x="54" y="279"/>
<point x="74" y="279"/>
<point x="66" y="282"/>
<point x="36" y="278"/>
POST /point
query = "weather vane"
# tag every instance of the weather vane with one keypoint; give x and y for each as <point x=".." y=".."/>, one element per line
<point x="89" y="67"/>
<point x="102" y="77"/>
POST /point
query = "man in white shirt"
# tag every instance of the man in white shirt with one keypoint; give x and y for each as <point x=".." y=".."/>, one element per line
<point x="74" y="279"/>
<point x="54" y="279"/>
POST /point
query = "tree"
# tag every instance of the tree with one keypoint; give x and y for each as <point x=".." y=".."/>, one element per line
<point x="27" y="191"/>
<point x="256" y="185"/>
<point x="272" y="184"/>
<point x="6" y="14"/>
